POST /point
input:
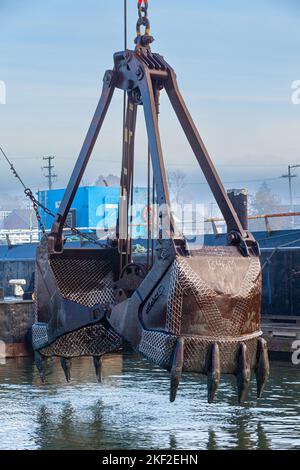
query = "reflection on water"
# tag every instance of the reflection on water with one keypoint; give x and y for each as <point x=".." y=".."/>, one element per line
<point x="130" y="410"/>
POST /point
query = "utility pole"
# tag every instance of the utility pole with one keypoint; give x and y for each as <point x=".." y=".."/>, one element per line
<point x="49" y="168"/>
<point x="290" y="175"/>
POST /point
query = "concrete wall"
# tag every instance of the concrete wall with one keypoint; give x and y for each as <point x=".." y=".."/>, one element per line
<point x="15" y="322"/>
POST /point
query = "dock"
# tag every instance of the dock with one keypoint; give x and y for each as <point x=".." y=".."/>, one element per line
<point x="16" y="318"/>
<point x="281" y="333"/>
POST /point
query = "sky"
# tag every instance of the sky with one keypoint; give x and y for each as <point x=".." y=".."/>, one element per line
<point x="235" y="61"/>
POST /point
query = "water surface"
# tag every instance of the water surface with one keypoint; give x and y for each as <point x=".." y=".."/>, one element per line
<point x="131" y="410"/>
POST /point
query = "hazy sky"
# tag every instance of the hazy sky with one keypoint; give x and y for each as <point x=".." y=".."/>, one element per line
<point x="235" y="61"/>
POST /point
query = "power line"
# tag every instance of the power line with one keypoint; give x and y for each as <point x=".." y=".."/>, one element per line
<point x="236" y="182"/>
<point x="194" y="165"/>
<point x="12" y="168"/>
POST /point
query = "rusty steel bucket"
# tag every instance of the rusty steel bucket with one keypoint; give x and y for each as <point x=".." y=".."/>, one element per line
<point x="202" y="315"/>
<point x="73" y="289"/>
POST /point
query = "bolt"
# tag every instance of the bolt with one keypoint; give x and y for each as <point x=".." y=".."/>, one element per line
<point x="233" y="237"/>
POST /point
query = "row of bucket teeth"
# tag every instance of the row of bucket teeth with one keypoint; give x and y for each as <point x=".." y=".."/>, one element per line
<point x="66" y="364"/>
<point x="213" y="370"/>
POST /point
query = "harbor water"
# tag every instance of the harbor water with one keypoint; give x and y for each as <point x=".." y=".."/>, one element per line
<point x="131" y="409"/>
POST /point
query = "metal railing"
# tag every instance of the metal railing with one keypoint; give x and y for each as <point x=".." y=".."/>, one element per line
<point x="265" y="217"/>
<point x="21" y="236"/>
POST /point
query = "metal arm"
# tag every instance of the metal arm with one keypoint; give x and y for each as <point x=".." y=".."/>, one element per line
<point x="126" y="185"/>
<point x="128" y="154"/>
<point x="147" y="92"/>
<point x="84" y="156"/>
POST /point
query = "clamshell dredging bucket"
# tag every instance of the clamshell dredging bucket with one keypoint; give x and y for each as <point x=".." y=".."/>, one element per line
<point x="194" y="311"/>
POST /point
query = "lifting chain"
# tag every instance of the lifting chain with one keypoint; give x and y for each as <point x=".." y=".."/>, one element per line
<point x="36" y="205"/>
<point x="143" y="20"/>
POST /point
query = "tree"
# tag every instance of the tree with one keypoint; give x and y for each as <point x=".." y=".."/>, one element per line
<point x="177" y="184"/>
<point x="264" y="201"/>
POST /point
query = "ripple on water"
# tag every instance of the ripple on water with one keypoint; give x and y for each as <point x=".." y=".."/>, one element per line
<point x="131" y="409"/>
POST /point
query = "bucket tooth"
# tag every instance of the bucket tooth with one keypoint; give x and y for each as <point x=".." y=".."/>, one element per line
<point x="213" y="372"/>
<point x="243" y="374"/>
<point x="97" y="360"/>
<point x="176" y="370"/>
<point x="262" y="370"/>
<point x="66" y="365"/>
<point x="40" y="362"/>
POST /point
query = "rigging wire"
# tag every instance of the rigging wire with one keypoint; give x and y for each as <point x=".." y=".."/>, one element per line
<point x="125" y="25"/>
<point x="16" y="175"/>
